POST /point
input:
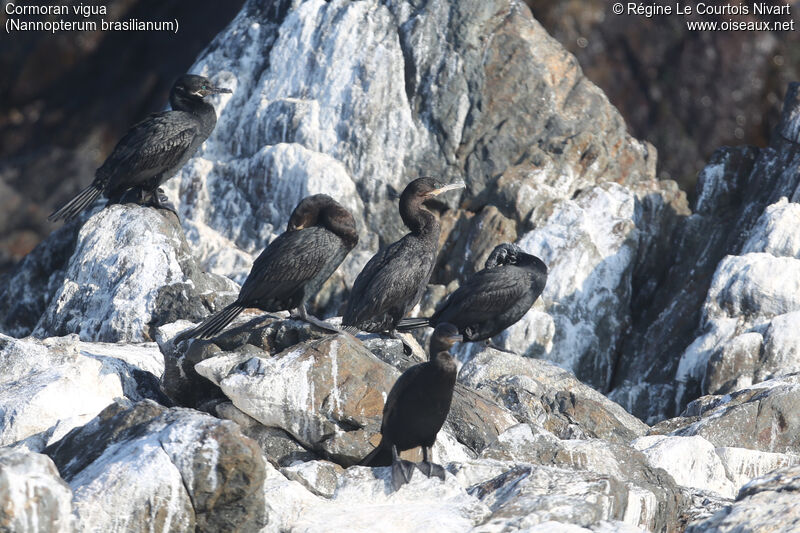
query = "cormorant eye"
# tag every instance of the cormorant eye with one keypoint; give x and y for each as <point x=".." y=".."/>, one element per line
<point x="204" y="87"/>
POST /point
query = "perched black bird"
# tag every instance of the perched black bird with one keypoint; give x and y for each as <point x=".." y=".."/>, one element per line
<point x="293" y="267"/>
<point x="491" y="300"/>
<point x="393" y="281"/>
<point x="416" y="409"/>
<point x="154" y="149"/>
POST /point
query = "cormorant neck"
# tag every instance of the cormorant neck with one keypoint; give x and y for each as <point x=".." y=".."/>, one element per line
<point x="340" y="227"/>
<point x="418" y="219"/>
<point x="196" y="106"/>
<point x="531" y="262"/>
<point x="444" y="361"/>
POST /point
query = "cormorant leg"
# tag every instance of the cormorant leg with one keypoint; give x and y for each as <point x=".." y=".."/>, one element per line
<point x="427" y="467"/>
<point x="490" y="344"/>
<point x="303" y="315"/>
<point x="159" y="200"/>
<point x="401" y="470"/>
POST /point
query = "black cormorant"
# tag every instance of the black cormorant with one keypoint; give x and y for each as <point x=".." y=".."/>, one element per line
<point x="491" y="300"/>
<point x="154" y="149"/>
<point x="293" y="267"/>
<point x="416" y="409"/>
<point x="392" y="282"/>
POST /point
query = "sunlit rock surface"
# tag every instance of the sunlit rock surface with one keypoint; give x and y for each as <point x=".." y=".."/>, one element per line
<point x="587" y="424"/>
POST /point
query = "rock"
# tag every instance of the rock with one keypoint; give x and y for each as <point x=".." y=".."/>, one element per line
<point x="763" y="417"/>
<point x="201" y="473"/>
<point x="275" y="443"/>
<point x="49" y="387"/>
<point x="539" y="392"/>
<point x="363" y="498"/>
<point x="526" y="496"/>
<point x="448" y="104"/>
<point x="131" y="271"/>
<point x="654" y="498"/>
<point x="692" y="461"/>
<point x="327" y="393"/>
<point x="33" y="497"/>
<point x="656" y="72"/>
<point x="739" y="233"/>
<point x="768" y="503"/>
<point x="589" y="246"/>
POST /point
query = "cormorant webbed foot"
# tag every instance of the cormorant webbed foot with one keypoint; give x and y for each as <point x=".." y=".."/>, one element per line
<point x="159" y="200"/>
<point x="402" y="470"/>
<point x="427" y="467"/>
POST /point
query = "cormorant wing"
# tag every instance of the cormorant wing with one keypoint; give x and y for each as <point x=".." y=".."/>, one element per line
<point x="152" y="146"/>
<point x="292" y="259"/>
<point x="484" y="294"/>
<point x="385" y="281"/>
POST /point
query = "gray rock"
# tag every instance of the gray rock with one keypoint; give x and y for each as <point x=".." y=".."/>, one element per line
<point x="33" y="497"/>
<point x="654" y="499"/>
<point x="768" y="503"/>
<point x="165" y="469"/>
<point x="131" y="271"/>
<point x="50" y="386"/>
<point x="763" y="417"/>
<point x="539" y="392"/>
<point x="327" y="393"/>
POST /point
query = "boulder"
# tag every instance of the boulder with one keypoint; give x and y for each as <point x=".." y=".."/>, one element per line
<point x="539" y="392"/>
<point x="139" y="467"/>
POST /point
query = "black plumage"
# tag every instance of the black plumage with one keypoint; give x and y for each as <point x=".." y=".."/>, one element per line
<point x="289" y="271"/>
<point x="393" y="281"/>
<point x="416" y="409"/>
<point x="492" y="299"/>
<point x="153" y="150"/>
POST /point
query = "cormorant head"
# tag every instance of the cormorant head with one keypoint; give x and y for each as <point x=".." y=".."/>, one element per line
<point x="193" y="87"/>
<point x="322" y="210"/>
<point x="504" y="254"/>
<point x="417" y="192"/>
<point x="444" y="337"/>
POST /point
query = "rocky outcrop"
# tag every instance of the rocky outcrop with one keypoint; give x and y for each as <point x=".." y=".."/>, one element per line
<point x="732" y="279"/>
<point x="129" y="270"/>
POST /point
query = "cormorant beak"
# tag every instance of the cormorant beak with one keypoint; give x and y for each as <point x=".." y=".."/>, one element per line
<point x="218" y="90"/>
<point x="450" y="187"/>
<point x="455" y="338"/>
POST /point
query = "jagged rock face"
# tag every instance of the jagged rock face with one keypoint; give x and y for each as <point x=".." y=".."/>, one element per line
<point x="726" y="301"/>
<point x="33" y="497"/>
<point x="162" y="469"/>
<point x="131" y="270"/>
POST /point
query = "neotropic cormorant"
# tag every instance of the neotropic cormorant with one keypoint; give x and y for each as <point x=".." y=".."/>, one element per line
<point x="416" y="409"/>
<point x="492" y="299"/>
<point x="293" y="267"/>
<point x="153" y="150"/>
<point x="392" y="282"/>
